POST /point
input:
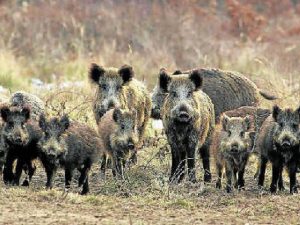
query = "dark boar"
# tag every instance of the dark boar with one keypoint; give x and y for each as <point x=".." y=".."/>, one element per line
<point x="20" y="135"/>
<point x="118" y="130"/>
<point x="224" y="89"/>
<point x="232" y="144"/>
<point x="189" y="119"/>
<point x="71" y="145"/>
<point x="278" y="142"/>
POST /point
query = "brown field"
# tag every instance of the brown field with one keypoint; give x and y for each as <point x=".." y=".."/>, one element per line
<point x="55" y="41"/>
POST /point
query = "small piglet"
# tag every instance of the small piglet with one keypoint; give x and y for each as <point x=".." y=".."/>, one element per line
<point x="232" y="145"/>
<point x="119" y="133"/>
<point x="70" y="145"/>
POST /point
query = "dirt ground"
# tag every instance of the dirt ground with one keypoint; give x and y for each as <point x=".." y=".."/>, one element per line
<point x="145" y="197"/>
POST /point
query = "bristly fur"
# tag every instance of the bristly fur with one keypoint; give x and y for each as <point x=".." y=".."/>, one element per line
<point x="223" y="87"/>
<point x="278" y="142"/>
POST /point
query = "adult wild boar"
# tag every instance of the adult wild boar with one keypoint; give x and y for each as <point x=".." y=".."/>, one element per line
<point x="278" y="142"/>
<point x="71" y="145"/>
<point x="189" y="119"/>
<point x="227" y="90"/>
<point x="117" y="88"/>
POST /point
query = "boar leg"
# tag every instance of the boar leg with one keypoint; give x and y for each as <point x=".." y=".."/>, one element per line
<point x="68" y="177"/>
<point x="118" y="168"/>
<point x="275" y="176"/>
<point x="85" y="187"/>
<point x="30" y="170"/>
<point x="8" y="175"/>
<point x="191" y="165"/>
<point x="229" y="174"/>
<point x="50" y="172"/>
<point x="280" y="180"/>
<point x="292" y="168"/>
<point x="180" y="170"/>
<point x="175" y="164"/>
<point x="262" y="171"/>
<point x="219" y="169"/>
<point x="235" y="178"/>
<point x="83" y="179"/>
<point x="19" y="169"/>
<point x="204" y="152"/>
<point x="103" y="165"/>
<point x="241" y="180"/>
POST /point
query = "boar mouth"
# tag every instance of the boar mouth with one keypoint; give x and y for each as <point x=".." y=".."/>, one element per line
<point x="184" y="117"/>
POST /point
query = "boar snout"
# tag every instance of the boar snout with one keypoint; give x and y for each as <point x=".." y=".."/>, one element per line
<point x="155" y="113"/>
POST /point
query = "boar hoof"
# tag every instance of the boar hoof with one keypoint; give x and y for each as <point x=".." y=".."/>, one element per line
<point x="228" y="189"/>
<point x="207" y="177"/>
<point x="273" y="189"/>
<point x="25" y="183"/>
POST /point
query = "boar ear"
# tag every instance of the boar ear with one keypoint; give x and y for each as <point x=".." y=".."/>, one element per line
<point x="177" y="72"/>
<point x="65" y="122"/>
<point x="276" y="111"/>
<point x="247" y="121"/>
<point x="5" y="111"/>
<point x="225" y="121"/>
<point x="126" y="72"/>
<point x="42" y="122"/>
<point x="196" y="78"/>
<point x="26" y="112"/>
<point x="96" y="72"/>
<point x="164" y="80"/>
<point x="117" y="114"/>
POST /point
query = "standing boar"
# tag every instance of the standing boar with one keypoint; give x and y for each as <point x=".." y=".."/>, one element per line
<point x="71" y="145"/>
<point x="20" y="135"/>
<point x="231" y="147"/>
<point x="227" y="90"/>
<point x="118" y="131"/>
<point x="278" y="142"/>
<point x="189" y="119"/>
<point x="118" y="89"/>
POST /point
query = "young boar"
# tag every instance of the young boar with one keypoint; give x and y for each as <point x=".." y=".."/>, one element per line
<point x="71" y="145"/>
<point x="189" y="119"/>
<point x="278" y="142"/>
<point x="231" y="147"/>
<point x="222" y="87"/>
<point x="119" y="133"/>
<point x="20" y="135"/>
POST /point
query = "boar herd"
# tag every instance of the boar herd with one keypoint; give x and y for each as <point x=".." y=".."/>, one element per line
<point x="209" y="111"/>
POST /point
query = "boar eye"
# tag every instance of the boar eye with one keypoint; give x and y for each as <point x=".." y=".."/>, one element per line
<point x="119" y="88"/>
<point x="189" y="94"/>
<point x="281" y="124"/>
<point x="242" y="134"/>
<point x="174" y="94"/>
<point x="10" y="124"/>
<point x="104" y="87"/>
<point x="122" y="127"/>
<point x="229" y="133"/>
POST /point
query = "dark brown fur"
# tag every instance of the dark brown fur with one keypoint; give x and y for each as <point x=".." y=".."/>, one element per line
<point x="278" y="142"/>
<point x="72" y="145"/>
